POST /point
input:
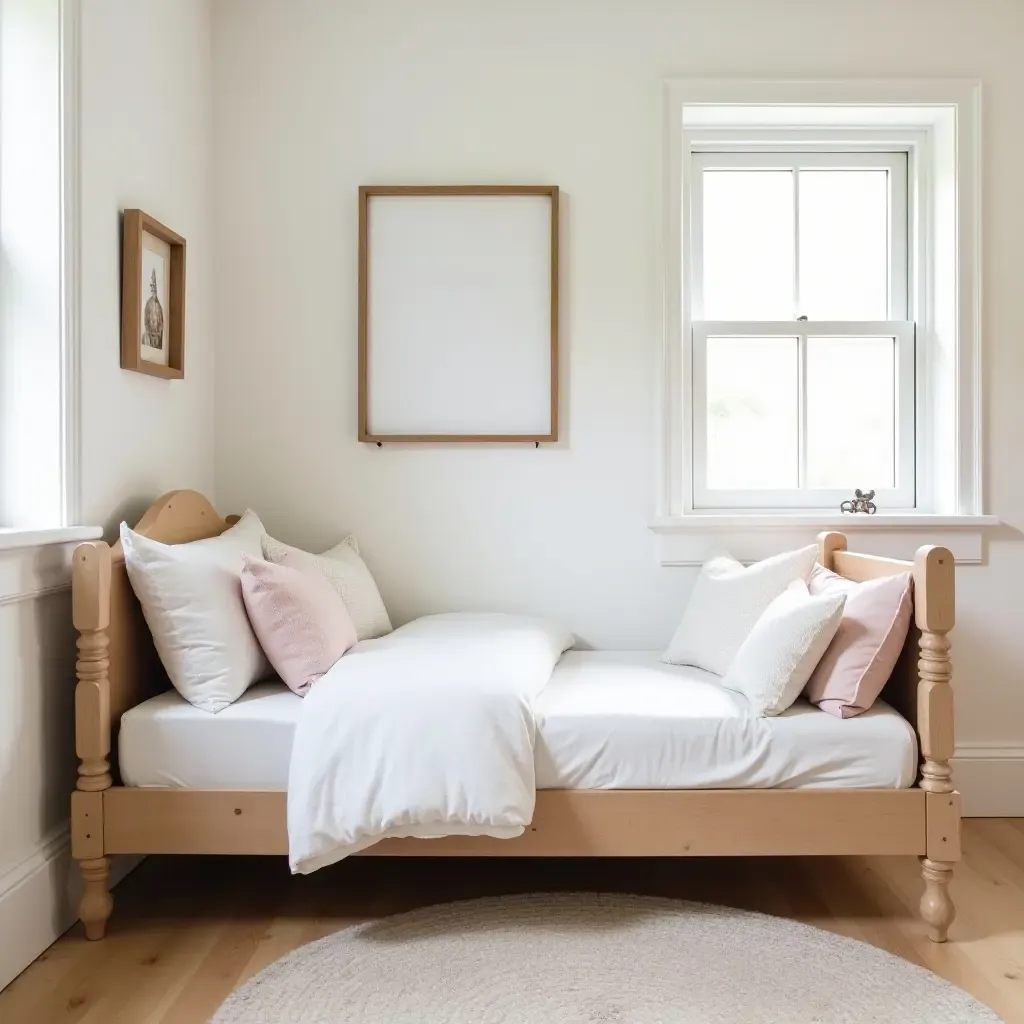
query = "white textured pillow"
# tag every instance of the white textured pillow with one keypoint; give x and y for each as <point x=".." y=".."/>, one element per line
<point x="349" y="576"/>
<point x="191" y="596"/>
<point x="787" y="642"/>
<point x="726" y="601"/>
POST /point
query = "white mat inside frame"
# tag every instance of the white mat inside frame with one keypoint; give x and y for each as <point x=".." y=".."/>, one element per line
<point x="459" y="333"/>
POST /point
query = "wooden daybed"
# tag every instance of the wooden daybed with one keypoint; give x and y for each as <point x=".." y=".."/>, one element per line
<point x="118" y="669"/>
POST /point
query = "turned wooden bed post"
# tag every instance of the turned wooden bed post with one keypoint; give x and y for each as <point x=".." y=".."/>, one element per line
<point x="934" y="604"/>
<point x="91" y="612"/>
<point x="930" y="701"/>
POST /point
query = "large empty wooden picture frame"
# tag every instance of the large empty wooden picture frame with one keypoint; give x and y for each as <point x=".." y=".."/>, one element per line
<point x="458" y="313"/>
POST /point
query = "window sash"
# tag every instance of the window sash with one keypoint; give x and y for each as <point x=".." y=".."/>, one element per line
<point x="899" y="498"/>
<point x="894" y="162"/>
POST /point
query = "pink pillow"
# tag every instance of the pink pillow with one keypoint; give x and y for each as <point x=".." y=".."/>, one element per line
<point x="860" y="659"/>
<point x="299" y="619"/>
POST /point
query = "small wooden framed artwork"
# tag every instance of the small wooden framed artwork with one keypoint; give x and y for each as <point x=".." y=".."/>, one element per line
<point x="458" y="313"/>
<point x="152" y="297"/>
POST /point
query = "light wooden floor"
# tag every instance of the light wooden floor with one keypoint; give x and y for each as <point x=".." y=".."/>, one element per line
<point x="186" y="931"/>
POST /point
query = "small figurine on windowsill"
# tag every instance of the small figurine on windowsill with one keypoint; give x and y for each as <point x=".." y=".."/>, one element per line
<point x="860" y="502"/>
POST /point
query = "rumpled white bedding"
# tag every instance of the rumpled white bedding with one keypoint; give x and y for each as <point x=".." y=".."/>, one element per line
<point x="426" y="732"/>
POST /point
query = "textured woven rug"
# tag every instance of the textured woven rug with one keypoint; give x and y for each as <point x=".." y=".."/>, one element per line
<point x="594" y="959"/>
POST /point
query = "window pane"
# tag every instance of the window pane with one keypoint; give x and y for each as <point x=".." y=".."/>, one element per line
<point x="752" y="413"/>
<point x="844" y="245"/>
<point x="851" y="412"/>
<point x="748" y="242"/>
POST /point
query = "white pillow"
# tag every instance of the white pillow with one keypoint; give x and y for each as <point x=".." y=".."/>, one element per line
<point x="348" y="574"/>
<point x="784" y="647"/>
<point x="191" y="596"/>
<point x="726" y="601"/>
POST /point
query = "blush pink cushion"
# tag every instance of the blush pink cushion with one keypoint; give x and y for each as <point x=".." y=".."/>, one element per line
<point x="300" y="620"/>
<point x="863" y="653"/>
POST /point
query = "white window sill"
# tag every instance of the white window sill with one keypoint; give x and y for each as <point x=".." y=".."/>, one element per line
<point x="692" y="539"/>
<point x="11" y="539"/>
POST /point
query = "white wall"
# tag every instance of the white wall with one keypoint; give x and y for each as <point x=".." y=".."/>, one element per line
<point x="146" y="130"/>
<point x="314" y="98"/>
<point x="146" y="141"/>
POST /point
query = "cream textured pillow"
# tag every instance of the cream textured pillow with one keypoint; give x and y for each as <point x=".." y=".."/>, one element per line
<point x="776" y="660"/>
<point x="859" y="661"/>
<point x="349" y="576"/>
<point x="191" y="597"/>
<point x="726" y="601"/>
<point x="300" y="620"/>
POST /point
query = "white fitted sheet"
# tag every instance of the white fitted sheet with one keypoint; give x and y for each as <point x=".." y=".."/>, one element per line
<point x="606" y="720"/>
<point x="625" y="720"/>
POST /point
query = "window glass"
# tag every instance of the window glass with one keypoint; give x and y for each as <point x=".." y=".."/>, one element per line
<point x="748" y="245"/>
<point x="752" y="413"/>
<point x="851" y="443"/>
<point x="844" y="244"/>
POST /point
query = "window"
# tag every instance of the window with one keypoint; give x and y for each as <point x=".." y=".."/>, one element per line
<point x="38" y="210"/>
<point x="802" y="349"/>
<point x="822" y="311"/>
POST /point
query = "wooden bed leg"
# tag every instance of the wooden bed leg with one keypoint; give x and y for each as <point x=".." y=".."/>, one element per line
<point x="90" y="606"/>
<point x="936" y="905"/>
<point x="96" y="904"/>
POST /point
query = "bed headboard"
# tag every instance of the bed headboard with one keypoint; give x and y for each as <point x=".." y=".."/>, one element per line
<point x="117" y="664"/>
<point x="919" y="685"/>
<point x="118" y="668"/>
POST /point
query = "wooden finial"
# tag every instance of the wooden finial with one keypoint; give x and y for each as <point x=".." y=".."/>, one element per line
<point x="828" y="545"/>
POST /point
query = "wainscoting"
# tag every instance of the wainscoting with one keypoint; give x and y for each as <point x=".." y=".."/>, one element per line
<point x="38" y="889"/>
<point x="37" y="761"/>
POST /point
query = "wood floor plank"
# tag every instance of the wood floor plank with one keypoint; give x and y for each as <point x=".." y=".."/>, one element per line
<point x="218" y="974"/>
<point x="186" y="931"/>
<point x="202" y="939"/>
<point x="280" y="938"/>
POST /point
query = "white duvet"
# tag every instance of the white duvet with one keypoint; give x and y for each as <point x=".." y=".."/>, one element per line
<point x="426" y="732"/>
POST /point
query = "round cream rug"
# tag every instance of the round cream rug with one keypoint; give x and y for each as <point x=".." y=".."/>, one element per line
<point x="594" y="959"/>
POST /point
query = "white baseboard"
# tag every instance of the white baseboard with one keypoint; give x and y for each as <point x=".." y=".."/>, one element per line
<point x="38" y="898"/>
<point x="991" y="780"/>
<point x="34" y="904"/>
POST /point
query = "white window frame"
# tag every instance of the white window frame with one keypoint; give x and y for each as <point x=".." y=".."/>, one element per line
<point x="40" y="314"/>
<point x="730" y="151"/>
<point x="939" y="123"/>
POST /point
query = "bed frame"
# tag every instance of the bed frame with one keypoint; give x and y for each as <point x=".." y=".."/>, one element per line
<point x="117" y="669"/>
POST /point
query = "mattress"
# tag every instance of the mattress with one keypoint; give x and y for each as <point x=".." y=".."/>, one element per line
<point x="606" y="720"/>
